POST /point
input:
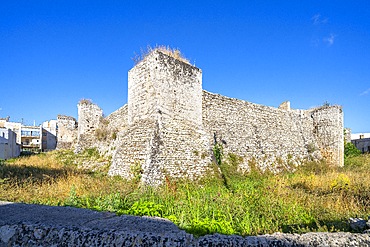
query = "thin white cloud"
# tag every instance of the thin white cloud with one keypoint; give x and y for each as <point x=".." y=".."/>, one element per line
<point x="317" y="19"/>
<point x="365" y="92"/>
<point x="330" y="40"/>
<point x="315" y="42"/>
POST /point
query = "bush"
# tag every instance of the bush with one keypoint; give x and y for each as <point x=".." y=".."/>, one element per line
<point x="218" y="153"/>
<point x="101" y="134"/>
<point x="350" y="150"/>
<point x="114" y="135"/>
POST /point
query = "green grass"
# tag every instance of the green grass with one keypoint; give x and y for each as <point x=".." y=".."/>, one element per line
<point x="316" y="197"/>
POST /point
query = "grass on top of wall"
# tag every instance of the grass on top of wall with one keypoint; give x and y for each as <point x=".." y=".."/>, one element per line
<point x="314" y="198"/>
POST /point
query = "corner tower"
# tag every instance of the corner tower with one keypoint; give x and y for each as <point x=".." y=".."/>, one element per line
<point x="163" y="87"/>
<point x="165" y="136"/>
<point x="89" y="117"/>
<point x="328" y="130"/>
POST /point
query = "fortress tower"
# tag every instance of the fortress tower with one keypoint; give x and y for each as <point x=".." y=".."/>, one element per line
<point x="329" y="132"/>
<point x="165" y="135"/>
<point x="89" y="117"/>
<point x="162" y="87"/>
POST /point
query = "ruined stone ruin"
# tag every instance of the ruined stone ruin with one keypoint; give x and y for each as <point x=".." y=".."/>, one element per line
<point x="170" y="126"/>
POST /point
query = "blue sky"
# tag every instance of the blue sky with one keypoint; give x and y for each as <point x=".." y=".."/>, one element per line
<point x="54" y="53"/>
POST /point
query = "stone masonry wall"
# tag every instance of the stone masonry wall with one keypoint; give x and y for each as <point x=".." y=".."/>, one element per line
<point x="67" y="132"/>
<point x="118" y="120"/>
<point x="90" y="117"/>
<point x="165" y="135"/>
<point x="163" y="87"/>
<point x="328" y="130"/>
<point x="270" y="137"/>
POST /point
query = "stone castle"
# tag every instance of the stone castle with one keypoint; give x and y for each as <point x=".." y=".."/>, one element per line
<point x="170" y="126"/>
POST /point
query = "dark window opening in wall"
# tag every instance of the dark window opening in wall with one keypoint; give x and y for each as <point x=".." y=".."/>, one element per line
<point x="368" y="149"/>
<point x="363" y="150"/>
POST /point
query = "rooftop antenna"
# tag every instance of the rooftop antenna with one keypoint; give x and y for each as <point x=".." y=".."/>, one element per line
<point x="34" y="122"/>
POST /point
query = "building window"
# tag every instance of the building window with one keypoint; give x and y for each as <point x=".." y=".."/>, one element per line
<point x="25" y="133"/>
<point x="35" y="133"/>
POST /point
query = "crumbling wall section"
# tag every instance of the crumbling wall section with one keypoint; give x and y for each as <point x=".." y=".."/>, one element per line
<point x="133" y="150"/>
<point x="118" y="120"/>
<point x="90" y="117"/>
<point x="67" y="132"/>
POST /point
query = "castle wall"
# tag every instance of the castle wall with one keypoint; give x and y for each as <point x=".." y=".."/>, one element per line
<point x="155" y="150"/>
<point x="273" y="137"/>
<point x="90" y="117"/>
<point x="118" y="120"/>
<point x="67" y="132"/>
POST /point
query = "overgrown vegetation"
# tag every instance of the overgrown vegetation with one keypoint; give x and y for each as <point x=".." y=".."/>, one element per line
<point x="85" y="102"/>
<point x="316" y="197"/>
<point x="104" y="132"/>
<point x="172" y="52"/>
<point x="350" y="150"/>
